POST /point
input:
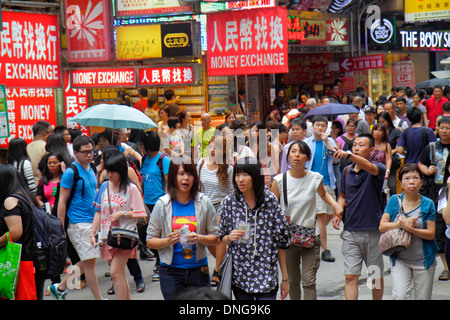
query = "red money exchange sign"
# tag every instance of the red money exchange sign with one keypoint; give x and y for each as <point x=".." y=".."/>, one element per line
<point x="30" y="50"/>
<point x="247" y="42"/>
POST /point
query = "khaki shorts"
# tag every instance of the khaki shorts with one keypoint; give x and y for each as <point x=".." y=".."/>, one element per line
<point x="79" y="235"/>
<point x="359" y="247"/>
<point x="323" y="207"/>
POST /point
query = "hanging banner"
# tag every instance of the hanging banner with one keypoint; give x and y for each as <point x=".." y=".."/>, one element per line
<point x="30" y="50"/>
<point x="87" y="24"/>
<point x="4" y="124"/>
<point x="25" y="107"/>
<point x="403" y="74"/>
<point x="247" y="42"/>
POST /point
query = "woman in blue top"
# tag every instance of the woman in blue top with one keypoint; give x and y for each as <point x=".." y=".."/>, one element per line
<point x="415" y="265"/>
<point x="181" y="225"/>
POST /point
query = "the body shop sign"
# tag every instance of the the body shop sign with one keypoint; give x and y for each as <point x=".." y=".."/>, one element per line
<point x="111" y="77"/>
<point x="30" y="50"/>
<point x="247" y="42"/>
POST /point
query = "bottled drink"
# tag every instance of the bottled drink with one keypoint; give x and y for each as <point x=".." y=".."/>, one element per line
<point x="440" y="165"/>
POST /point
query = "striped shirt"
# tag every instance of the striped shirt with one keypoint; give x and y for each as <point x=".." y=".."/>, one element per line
<point x="211" y="186"/>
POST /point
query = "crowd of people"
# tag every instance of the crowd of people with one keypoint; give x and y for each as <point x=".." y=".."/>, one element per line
<point x="261" y="195"/>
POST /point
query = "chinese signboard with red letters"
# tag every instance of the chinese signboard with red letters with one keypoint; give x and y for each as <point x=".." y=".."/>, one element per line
<point x="88" y="37"/>
<point x="166" y="76"/>
<point x="309" y="69"/>
<point x="25" y="107"/>
<point x="403" y="74"/>
<point x="75" y="100"/>
<point x="375" y="61"/>
<point x="247" y="42"/>
<point x="317" y="31"/>
<point x="94" y="78"/>
<point x="30" y="50"/>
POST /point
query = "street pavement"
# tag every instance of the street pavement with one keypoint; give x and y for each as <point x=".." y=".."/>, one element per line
<point x="330" y="279"/>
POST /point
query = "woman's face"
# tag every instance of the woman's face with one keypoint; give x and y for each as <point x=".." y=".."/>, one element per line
<point x="297" y="157"/>
<point x="102" y="143"/>
<point x="54" y="165"/>
<point x="416" y="99"/>
<point x="185" y="180"/>
<point x="188" y="117"/>
<point x="244" y="182"/>
<point x="383" y="121"/>
<point x="163" y="115"/>
<point x="380" y="109"/>
<point x="377" y="133"/>
<point x="351" y="128"/>
<point x="113" y="176"/>
<point x="411" y="182"/>
<point x="231" y="118"/>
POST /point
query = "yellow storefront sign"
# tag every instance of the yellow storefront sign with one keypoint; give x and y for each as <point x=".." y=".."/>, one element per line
<point x="423" y="10"/>
<point x="138" y="42"/>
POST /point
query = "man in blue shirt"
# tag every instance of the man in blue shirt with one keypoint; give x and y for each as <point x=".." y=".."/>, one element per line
<point x="80" y="214"/>
<point x="321" y="163"/>
<point x="360" y="194"/>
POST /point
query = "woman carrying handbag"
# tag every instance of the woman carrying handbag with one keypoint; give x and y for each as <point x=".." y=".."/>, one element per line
<point x="297" y="190"/>
<point x="416" y="264"/>
<point x="121" y="206"/>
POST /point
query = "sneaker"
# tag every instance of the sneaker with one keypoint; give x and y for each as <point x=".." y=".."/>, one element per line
<point x="155" y="276"/>
<point x="57" y="294"/>
<point x="326" y="256"/>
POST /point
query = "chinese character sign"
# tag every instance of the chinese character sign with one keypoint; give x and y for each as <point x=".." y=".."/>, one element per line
<point x="75" y="100"/>
<point x="88" y="35"/>
<point x="403" y="74"/>
<point x="25" y="107"/>
<point x="30" y="50"/>
<point x="247" y="42"/>
<point x="166" y="75"/>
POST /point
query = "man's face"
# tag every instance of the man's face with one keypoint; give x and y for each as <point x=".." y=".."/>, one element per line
<point x="401" y="93"/>
<point x="401" y="105"/>
<point x="390" y="109"/>
<point x="206" y="121"/>
<point x="361" y="147"/>
<point x="298" y="133"/>
<point x="320" y="126"/>
<point x="85" y="154"/>
<point x="437" y="93"/>
<point x="303" y="98"/>
<point x="370" y="117"/>
<point x="444" y="131"/>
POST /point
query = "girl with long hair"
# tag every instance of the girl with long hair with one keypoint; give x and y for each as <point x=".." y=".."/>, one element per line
<point x="18" y="157"/>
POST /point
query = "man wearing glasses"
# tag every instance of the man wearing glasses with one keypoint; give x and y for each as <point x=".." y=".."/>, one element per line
<point x="80" y="215"/>
<point x="434" y="165"/>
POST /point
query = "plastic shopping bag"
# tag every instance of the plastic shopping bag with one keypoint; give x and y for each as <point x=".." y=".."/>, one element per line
<point x="9" y="268"/>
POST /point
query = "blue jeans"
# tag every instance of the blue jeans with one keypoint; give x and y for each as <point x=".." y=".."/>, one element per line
<point x="174" y="281"/>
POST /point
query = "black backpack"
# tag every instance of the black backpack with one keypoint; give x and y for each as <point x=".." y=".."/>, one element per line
<point x="49" y="241"/>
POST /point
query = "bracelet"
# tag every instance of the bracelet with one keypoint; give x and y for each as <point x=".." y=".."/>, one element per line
<point x="284" y="280"/>
<point x="124" y="214"/>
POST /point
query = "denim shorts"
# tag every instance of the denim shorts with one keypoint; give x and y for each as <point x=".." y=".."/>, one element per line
<point x="174" y="281"/>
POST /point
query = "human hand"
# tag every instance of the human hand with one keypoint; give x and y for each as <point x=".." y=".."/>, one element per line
<point x="235" y="235"/>
<point x="284" y="289"/>
<point x="173" y="237"/>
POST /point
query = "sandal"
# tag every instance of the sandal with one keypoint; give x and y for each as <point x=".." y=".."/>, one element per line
<point x="214" y="282"/>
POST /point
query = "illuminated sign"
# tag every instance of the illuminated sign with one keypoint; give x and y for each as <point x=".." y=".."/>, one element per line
<point x="89" y="78"/>
<point x="381" y="32"/>
<point x="166" y="76"/>
<point x="425" y="39"/>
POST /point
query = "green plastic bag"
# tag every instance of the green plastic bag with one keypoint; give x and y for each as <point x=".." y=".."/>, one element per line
<point x="9" y="268"/>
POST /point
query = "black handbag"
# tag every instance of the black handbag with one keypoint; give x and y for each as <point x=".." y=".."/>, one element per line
<point x="121" y="238"/>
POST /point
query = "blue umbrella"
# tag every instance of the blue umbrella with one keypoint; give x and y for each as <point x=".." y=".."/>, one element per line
<point x="114" y="116"/>
<point x="332" y="109"/>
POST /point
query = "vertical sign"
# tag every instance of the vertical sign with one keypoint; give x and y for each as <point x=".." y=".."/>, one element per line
<point x="4" y="125"/>
<point x="403" y="74"/>
<point x="88" y="37"/>
<point x="76" y="100"/>
<point x="30" y="50"/>
<point x="247" y="42"/>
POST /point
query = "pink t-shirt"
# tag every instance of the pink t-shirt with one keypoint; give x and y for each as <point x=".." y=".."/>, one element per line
<point x="50" y="192"/>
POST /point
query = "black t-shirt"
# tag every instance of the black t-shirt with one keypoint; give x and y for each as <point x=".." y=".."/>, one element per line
<point x="27" y="223"/>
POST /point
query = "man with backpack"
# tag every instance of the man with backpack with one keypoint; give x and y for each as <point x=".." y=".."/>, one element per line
<point x="79" y="215"/>
<point x="414" y="139"/>
<point x="154" y="170"/>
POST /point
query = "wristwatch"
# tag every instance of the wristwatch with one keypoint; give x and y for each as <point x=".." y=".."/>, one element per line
<point x="349" y="153"/>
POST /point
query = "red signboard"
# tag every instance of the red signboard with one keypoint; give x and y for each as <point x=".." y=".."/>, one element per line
<point x="25" y="107"/>
<point x="96" y="78"/>
<point x="403" y="74"/>
<point x="75" y="101"/>
<point x="88" y="37"/>
<point x="309" y="69"/>
<point x="247" y="42"/>
<point x="30" y="50"/>
<point x="375" y="61"/>
<point x="166" y="75"/>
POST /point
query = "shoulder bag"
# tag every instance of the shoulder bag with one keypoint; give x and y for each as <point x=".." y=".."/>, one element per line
<point x="395" y="240"/>
<point x="121" y="238"/>
<point x="300" y="235"/>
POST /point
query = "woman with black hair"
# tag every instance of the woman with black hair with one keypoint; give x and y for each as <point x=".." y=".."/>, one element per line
<point x="183" y="222"/>
<point x="18" y="157"/>
<point x="16" y="222"/>
<point x="257" y="234"/>
<point x="121" y="206"/>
